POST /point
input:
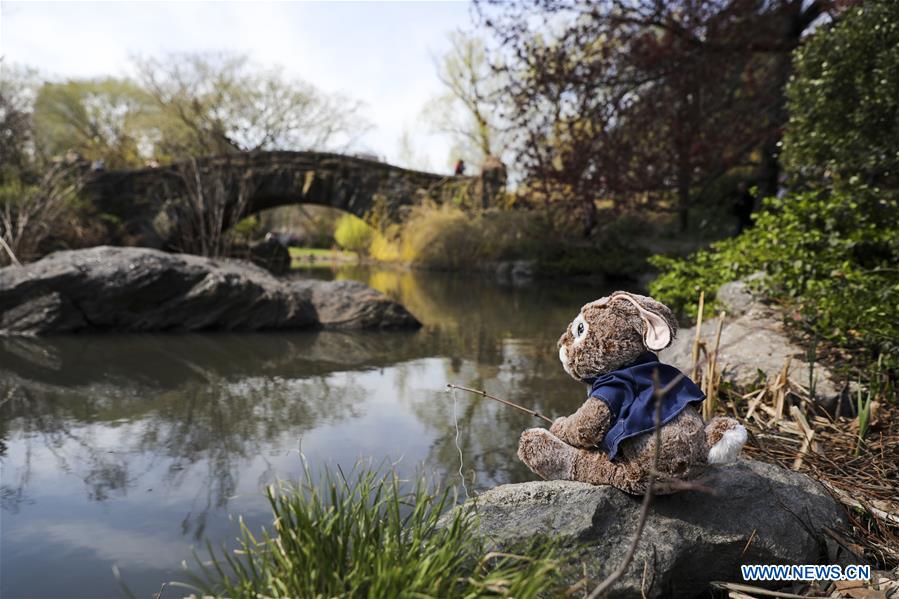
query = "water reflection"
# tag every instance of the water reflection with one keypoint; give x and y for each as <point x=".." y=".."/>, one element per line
<point x="157" y="438"/>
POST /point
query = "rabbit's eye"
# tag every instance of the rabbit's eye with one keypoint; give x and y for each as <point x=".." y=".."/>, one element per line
<point x="578" y="329"/>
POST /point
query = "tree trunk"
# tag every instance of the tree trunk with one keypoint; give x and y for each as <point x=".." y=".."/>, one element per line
<point x="769" y="170"/>
<point x="683" y="189"/>
<point x="591" y="218"/>
<point x="683" y="206"/>
<point x="796" y="20"/>
<point x="769" y="173"/>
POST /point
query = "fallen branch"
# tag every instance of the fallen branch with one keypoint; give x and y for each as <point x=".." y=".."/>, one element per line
<point x="749" y="542"/>
<point x="9" y="252"/>
<point x="745" y="588"/>
<point x="808" y="434"/>
<point x="852" y="502"/>
<point x="698" y="339"/>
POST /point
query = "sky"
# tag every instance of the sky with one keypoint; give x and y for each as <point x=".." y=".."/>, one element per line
<point x="382" y="53"/>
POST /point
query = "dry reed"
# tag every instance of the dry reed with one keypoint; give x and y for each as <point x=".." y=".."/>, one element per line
<point x="788" y="427"/>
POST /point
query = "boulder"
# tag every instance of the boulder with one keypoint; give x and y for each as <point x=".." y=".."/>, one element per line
<point x="352" y="305"/>
<point x="758" y="514"/>
<point x="754" y="339"/>
<point x="140" y="289"/>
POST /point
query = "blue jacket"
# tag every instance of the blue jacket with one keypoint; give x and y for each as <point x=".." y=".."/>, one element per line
<point x="629" y="394"/>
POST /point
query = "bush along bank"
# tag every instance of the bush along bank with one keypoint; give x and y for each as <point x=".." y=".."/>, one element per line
<point x="446" y="237"/>
<point x="828" y="257"/>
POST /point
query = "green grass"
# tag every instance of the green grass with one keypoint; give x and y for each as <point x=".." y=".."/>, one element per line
<point x="304" y="257"/>
<point x="296" y="252"/>
<point x="370" y="535"/>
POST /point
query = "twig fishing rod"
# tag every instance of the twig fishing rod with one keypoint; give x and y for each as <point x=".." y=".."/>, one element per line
<point x="483" y="393"/>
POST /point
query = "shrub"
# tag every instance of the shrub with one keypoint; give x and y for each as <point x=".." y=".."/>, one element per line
<point x="614" y="251"/>
<point x="370" y="538"/>
<point x="830" y="255"/>
<point x="448" y="237"/>
<point x="353" y="234"/>
<point x="441" y="237"/>
<point x="248" y="229"/>
<point x="385" y="246"/>
<point x="844" y="100"/>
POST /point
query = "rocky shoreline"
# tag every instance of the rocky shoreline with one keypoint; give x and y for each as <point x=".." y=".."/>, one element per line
<point x="126" y="289"/>
<point x="753" y="341"/>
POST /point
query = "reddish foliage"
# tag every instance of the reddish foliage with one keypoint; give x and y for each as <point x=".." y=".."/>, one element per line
<point x="623" y="98"/>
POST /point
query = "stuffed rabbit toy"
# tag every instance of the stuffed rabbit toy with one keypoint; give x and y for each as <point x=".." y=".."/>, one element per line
<point x="610" y="440"/>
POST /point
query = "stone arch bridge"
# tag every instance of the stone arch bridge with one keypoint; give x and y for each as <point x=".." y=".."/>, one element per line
<point x="150" y="204"/>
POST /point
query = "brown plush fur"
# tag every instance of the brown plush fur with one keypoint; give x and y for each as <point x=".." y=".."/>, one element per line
<point x="609" y="334"/>
<point x="682" y="455"/>
<point x="586" y="427"/>
<point x="614" y="335"/>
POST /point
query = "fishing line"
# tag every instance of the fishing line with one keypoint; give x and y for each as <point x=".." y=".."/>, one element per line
<point x="458" y="447"/>
<point x="482" y="393"/>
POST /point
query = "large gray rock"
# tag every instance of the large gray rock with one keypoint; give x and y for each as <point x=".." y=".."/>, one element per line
<point x="139" y="289"/>
<point x="753" y="339"/>
<point x="352" y="305"/>
<point x="759" y="514"/>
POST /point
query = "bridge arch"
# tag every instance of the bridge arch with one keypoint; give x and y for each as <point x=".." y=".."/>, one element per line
<point x="143" y="199"/>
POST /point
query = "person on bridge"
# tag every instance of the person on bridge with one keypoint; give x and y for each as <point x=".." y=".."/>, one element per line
<point x="460" y="168"/>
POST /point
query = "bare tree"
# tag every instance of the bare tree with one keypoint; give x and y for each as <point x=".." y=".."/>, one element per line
<point x="214" y="197"/>
<point x="410" y="154"/>
<point x="627" y="99"/>
<point x="223" y="103"/>
<point x="29" y="214"/>
<point x="467" y="109"/>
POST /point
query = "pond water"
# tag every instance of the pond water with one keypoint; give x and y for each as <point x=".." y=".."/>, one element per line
<point x="131" y="450"/>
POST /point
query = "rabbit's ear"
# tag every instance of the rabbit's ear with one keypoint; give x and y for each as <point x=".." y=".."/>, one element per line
<point x="656" y="330"/>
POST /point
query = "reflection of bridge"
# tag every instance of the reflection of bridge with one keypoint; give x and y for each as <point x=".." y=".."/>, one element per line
<point x="143" y="199"/>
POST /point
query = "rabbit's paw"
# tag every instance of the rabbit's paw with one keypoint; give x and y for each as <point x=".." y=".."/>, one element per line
<point x="546" y="455"/>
